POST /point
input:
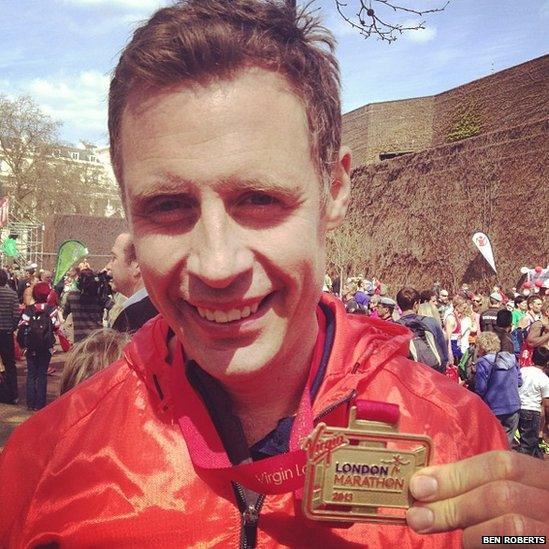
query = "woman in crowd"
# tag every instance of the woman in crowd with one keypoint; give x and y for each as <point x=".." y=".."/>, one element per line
<point x="497" y="381"/>
<point x="92" y="354"/>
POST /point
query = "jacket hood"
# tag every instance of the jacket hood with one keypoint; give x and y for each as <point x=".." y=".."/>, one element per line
<point x="353" y="348"/>
<point x="504" y="360"/>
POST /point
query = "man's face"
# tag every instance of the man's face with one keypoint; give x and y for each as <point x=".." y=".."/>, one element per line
<point x="383" y="311"/>
<point x="523" y="305"/>
<point x="224" y="206"/>
<point x="536" y="306"/>
<point x="119" y="268"/>
<point x="47" y="277"/>
<point x="443" y="297"/>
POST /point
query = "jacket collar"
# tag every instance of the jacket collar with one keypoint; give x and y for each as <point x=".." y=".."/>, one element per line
<point x="360" y="349"/>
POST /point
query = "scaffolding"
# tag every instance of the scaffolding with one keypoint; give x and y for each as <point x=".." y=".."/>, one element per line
<point x="30" y="236"/>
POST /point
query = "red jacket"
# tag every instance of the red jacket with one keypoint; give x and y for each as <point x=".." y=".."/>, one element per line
<point x="106" y="465"/>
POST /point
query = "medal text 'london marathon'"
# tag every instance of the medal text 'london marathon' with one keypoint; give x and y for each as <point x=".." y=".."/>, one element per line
<point x="371" y="477"/>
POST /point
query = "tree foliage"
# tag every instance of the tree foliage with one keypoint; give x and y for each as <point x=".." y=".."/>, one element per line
<point x="39" y="177"/>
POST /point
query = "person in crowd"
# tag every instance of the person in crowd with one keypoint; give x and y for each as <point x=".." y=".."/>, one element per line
<point x="85" y="304"/>
<point x="520" y="308"/>
<point x="453" y="329"/>
<point x="361" y="296"/>
<point x="477" y="302"/>
<point x="497" y="381"/>
<point x="53" y="297"/>
<point x="444" y="304"/>
<point x="430" y="310"/>
<point x="176" y="444"/>
<point x="504" y="322"/>
<point x="538" y="333"/>
<point x="488" y="317"/>
<point x="408" y="299"/>
<point x="37" y="327"/>
<point x="385" y="308"/>
<point x="374" y="302"/>
<point x="429" y="306"/>
<point x="9" y="318"/>
<point x="94" y="353"/>
<point x="534" y="399"/>
<point x="26" y="282"/>
<point x="533" y="314"/>
<point x="127" y="280"/>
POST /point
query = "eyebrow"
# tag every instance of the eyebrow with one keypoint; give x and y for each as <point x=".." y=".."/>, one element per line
<point x="168" y="184"/>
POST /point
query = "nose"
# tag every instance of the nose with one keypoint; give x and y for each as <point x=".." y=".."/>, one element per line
<point x="219" y="255"/>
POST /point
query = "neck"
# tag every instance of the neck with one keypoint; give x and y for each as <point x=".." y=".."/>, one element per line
<point x="408" y="312"/>
<point x="136" y="287"/>
<point x="262" y="400"/>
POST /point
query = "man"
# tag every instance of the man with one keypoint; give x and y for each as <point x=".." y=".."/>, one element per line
<point x="408" y="300"/>
<point x="534" y="397"/>
<point x="9" y="317"/>
<point x="127" y="280"/>
<point x="489" y="316"/>
<point x="225" y="132"/>
<point x="538" y="333"/>
<point x="521" y="306"/>
<point x="385" y="308"/>
<point x="24" y="285"/>
<point x="444" y="305"/>
<point x="534" y="303"/>
<point x="504" y="320"/>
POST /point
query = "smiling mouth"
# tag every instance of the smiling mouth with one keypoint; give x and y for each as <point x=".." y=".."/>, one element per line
<point x="233" y="315"/>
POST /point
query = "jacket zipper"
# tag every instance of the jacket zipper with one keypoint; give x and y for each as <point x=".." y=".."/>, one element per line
<point x="335" y="405"/>
<point x="249" y="514"/>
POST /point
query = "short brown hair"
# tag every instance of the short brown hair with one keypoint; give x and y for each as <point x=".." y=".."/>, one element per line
<point x="202" y="40"/>
<point x="407" y="298"/>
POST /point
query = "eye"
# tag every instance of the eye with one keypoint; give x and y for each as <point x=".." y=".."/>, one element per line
<point x="259" y="199"/>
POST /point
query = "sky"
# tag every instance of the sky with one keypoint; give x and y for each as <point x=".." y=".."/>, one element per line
<point x="61" y="52"/>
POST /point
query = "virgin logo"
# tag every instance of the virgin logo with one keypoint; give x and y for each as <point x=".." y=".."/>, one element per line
<point x="320" y="448"/>
<point x="481" y="241"/>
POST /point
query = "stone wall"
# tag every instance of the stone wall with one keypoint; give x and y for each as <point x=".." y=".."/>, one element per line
<point x="417" y="213"/>
<point x="508" y="98"/>
<point x="388" y="127"/>
<point x="518" y="95"/>
<point x="96" y="233"/>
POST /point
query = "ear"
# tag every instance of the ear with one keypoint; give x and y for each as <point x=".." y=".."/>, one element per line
<point x="135" y="269"/>
<point x="340" y="190"/>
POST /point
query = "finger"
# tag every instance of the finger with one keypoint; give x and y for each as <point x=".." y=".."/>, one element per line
<point x="478" y="506"/>
<point x="445" y="481"/>
<point x="507" y="525"/>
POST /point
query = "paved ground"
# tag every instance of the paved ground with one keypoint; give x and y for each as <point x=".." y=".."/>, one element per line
<point x="11" y="416"/>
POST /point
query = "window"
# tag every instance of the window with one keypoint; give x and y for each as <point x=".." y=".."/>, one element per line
<point x="75" y="155"/>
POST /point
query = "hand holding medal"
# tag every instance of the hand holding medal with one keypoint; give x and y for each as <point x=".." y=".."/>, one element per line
<point x="496" y="493"/>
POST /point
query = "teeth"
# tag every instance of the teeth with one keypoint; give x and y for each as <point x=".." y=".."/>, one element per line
<point x="222" y="317"/>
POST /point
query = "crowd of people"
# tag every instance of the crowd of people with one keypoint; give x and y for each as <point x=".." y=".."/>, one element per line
<point x="496" y="343"/>
<point x="94" y="311"/>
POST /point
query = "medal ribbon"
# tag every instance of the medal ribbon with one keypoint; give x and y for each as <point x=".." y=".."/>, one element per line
<point x="274" y="475"/>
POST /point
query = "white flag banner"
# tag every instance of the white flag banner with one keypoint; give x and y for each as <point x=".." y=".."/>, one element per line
<point x="482" y="242"/>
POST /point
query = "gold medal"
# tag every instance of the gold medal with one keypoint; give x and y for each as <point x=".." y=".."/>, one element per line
<point x="361" y="473"/>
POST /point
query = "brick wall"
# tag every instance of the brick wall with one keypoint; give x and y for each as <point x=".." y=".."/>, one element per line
<point x="417" y="213"/>
<point x="96" y="233"/>
<point x="384" y="127"/>
<point x="508" y="98"/>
